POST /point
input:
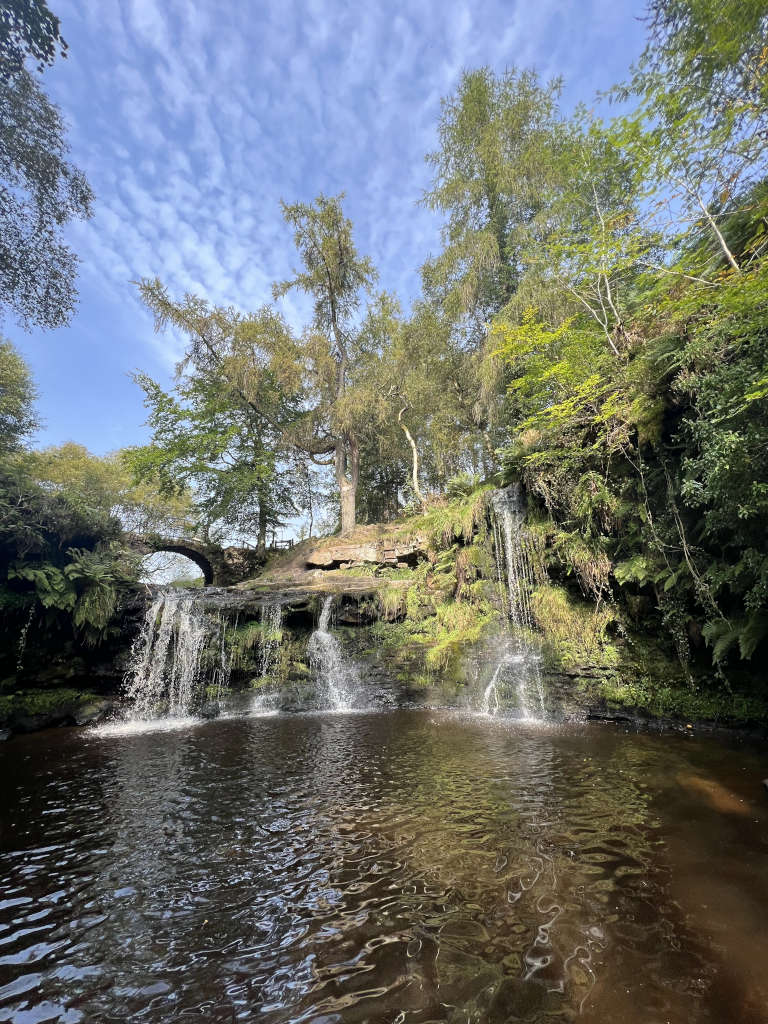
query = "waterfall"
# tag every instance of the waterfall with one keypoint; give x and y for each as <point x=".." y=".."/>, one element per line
<point x="509" y="510"/>
<point x="491" y="695"/>
<point x="520" y="659"/>
<point x="267" y="699"/>
<point x="271" y="620"/>
<point x="516" y="670"/>
<point x="337" y="679"/>
<point x="23" y="637"/>
<point x="165" y="675"/>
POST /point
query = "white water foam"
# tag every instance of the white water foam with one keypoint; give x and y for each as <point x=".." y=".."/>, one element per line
<point x="139" y="727"/>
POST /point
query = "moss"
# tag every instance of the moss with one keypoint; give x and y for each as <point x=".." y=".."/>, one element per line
<point x="680" y="702"/>
<point x="30" y="703"/>
<point x="575" y="632"/>
<point x="392" y="602"/>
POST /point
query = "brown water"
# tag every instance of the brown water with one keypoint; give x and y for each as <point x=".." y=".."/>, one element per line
<point x="403" y="867"/>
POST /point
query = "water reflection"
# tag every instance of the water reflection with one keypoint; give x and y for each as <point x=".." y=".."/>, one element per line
<point x="409" y="867"/>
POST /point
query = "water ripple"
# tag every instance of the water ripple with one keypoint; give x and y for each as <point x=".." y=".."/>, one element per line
<point x="384" y="868"/>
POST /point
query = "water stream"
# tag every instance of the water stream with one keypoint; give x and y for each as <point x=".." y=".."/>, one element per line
<point x="338" y="681"/>
<point x="519" y="665"/>
<point x="267" y="698"/>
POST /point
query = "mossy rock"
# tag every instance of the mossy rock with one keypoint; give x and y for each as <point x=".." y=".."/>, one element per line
<point x="30" y="710"/>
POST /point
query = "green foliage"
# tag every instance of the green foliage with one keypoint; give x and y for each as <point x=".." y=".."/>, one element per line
<point x="575" y="633"/>
<point x="28" y="703"/>
<point x="449" y="603"/>
<point x="446" y="521"/>
<point x="28" y="30"/>
<point x="17" y="399"/>
<point x="654" y="470"/>
<point x="40" y="191"/>
<point x="247" y="640"/>
<point x="497" y="135"/>
<point x="63" y="568"/>
<point x="680" y="702"/>
<point x="105" y="485"/>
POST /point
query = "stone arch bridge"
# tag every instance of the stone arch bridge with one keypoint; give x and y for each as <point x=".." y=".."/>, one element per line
<point x="221" y="567"/>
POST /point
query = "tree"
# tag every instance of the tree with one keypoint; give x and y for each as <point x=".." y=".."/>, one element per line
<point x="62" y="563"/>
<point x="334" y="275"/>
<point x="713" y="54"/>
<point x="231" y="425"/>
<point x="18" y="394"/>
<point x="497" y="137"/>
<point x="105" y="486"/>
<point x="699" y="132"/>
<point x="28" y="29"/>
<point x="409" y="381"/>
<point x="596" y="242"/>
<point x="40" y="190"/>
<point x="501" y="140"/>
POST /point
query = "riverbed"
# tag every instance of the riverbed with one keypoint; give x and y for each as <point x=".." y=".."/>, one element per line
<point x="405" y="866"/>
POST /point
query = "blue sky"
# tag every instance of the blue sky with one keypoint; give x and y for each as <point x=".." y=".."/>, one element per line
<point x="193" y="119"/>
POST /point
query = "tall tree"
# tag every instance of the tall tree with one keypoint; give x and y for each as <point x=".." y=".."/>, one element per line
<point x="105" y="484"/>
<point x="497" y="134"/>
<point x="334" y="275"/>
<point x="698" y="133"/>
<point x="234" y="419"/>
<point x="713" y="54"/>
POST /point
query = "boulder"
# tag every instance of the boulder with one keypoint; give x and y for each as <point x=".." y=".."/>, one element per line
<point x="93" y="711"/>
<point x="373" y="552"/>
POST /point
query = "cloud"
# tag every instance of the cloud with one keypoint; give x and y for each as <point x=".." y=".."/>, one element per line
<point x="192" y="121"/>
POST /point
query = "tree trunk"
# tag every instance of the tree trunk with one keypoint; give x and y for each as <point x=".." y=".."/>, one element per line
<point x="261" y="546"/>
<point x="310" y="503"/>
<point x="414" y="453"/>
<point x="348" y="503"/>
<point x="347" y="475"/>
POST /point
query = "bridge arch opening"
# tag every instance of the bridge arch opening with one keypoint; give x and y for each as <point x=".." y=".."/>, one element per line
<point x="177" y="564"/>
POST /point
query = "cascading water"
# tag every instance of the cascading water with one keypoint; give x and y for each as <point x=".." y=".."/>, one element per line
<point x="509" y="514"/>
<point x="165" y="676"/>
<point x="271" y="620"/>
<point x="337" y="679"/>
<point x="491" y="695"/>
<point x="267" y="699"/>
<point x="520" y="659"/>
